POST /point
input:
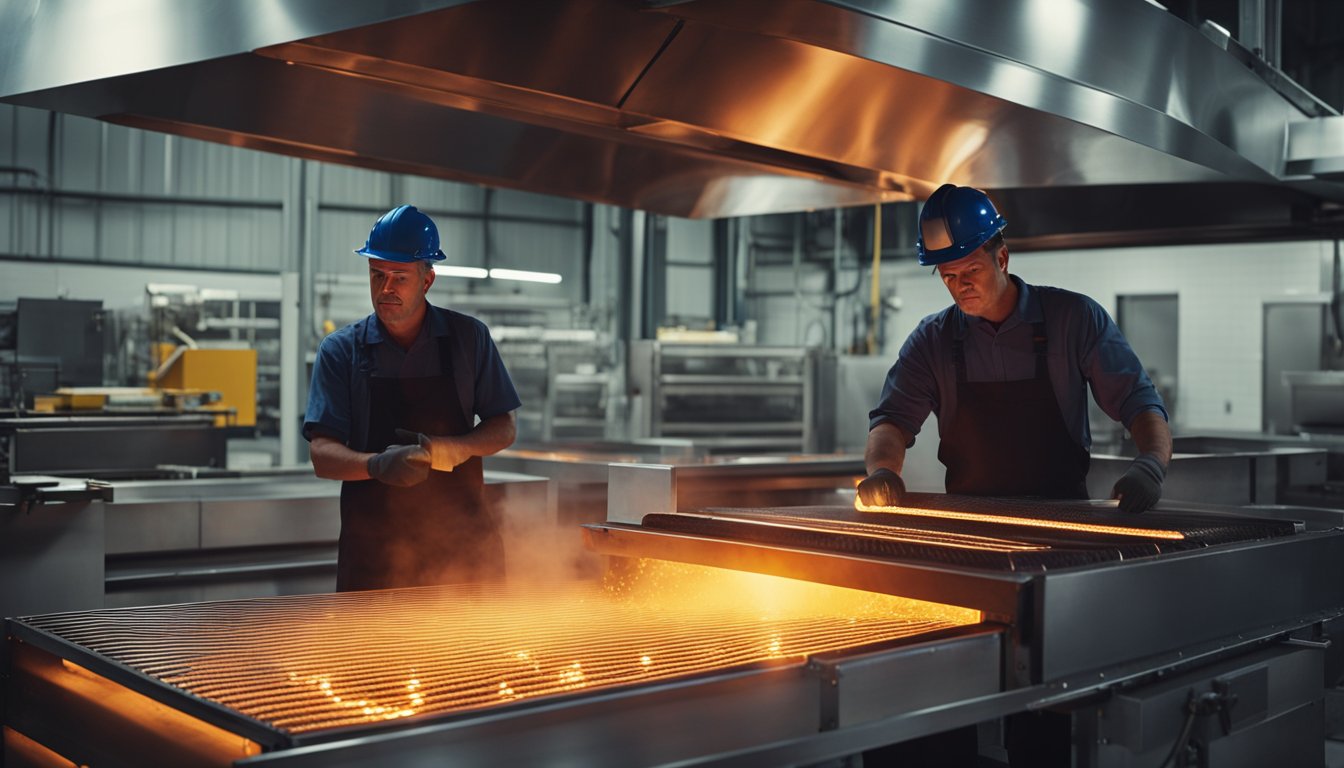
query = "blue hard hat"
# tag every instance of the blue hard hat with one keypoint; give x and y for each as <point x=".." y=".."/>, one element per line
<point x="403" y="234"/>
<point x="954" y="222"/>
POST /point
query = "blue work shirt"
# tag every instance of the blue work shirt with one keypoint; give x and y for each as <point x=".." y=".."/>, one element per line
<point x="332" y="391"/>
<point x="1085" y="348"/>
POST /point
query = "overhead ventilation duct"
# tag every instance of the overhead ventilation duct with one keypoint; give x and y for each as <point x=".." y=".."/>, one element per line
<point x="695" y="109"/>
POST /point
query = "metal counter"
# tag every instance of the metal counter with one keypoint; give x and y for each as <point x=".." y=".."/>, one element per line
<point x="583" y="471"/>
<point x="165" y="541"/>
<point x="1208" y="475"/>
<point x="51" y="545"/>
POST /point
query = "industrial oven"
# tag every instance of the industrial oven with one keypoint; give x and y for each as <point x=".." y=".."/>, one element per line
<point x="742" y="636"/>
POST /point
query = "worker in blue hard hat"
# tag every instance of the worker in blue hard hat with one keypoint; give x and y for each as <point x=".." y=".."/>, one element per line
<point x="1006" y="369"/>
<point x="393" y="410"/>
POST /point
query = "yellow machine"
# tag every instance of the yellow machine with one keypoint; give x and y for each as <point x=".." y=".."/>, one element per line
<point x="230" y="372"/>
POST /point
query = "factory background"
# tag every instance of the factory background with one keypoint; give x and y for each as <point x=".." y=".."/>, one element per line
<point x="99" y="212"/>
<point x="691" y="229"/>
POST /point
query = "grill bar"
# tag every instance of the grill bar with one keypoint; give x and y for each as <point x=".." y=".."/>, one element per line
<point x="286" y="671"/>
<point x="894" y="542"/>
<point x="1000" y="595"/>
<point x="133" y="679"/>
<point x="990" y="534"/>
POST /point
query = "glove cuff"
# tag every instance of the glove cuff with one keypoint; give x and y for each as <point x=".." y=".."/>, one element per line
<point x="1152" y="465"/>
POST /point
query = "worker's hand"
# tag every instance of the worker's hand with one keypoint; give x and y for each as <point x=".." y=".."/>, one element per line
<point x="1139" y="488"/>
<point x="883" y="488"/>
<point x="403" y="465"/>
<point x="445" y="453"/>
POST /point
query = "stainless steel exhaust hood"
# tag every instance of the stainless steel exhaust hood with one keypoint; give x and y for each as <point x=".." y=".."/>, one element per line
<point x="697" y="109"/>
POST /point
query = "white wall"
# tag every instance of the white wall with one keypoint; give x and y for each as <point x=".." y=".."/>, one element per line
<point x="690" y="269"/>
<point x="1221" y="289"/>
<point x="791" y="307"/>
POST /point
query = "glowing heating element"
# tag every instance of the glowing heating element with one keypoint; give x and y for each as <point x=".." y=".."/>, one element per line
<point x="1114" y="530"/>
<point x="895" y="533"/>
<point x="313" y="662"/>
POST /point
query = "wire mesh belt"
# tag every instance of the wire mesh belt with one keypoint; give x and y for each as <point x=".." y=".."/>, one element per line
<point x="303" y="664"/>
<point x="994" y="534"/>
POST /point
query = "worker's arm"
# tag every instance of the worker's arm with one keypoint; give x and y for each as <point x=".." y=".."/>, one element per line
<point x="333" y="460"/>
<point x="883" y="457"/>
<point x="1140" y="487"/>
<point x="446" y="452"/>
<point x="1152" y="435"/>
<point x="886" y="448"/>
<point x="402" y="465"/>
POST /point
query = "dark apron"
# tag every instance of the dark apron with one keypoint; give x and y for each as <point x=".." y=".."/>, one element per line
<point x="437" y="532"/>
<point x="1008" y="438"/>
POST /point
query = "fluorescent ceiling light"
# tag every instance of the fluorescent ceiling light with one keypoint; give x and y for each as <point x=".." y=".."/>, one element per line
<point x="219" y="294"/>
<point x="159" y="288"/>
<point x="444" y="269"/>
<point x="525" y="275"/>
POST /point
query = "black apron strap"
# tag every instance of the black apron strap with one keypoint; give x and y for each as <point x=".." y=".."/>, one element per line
<point x="361" y="369"/>
<point x="460" y="347"/>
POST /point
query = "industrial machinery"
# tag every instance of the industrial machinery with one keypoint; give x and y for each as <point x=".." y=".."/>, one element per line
<point x="111" y="446"/>
<point x="217" y="340"/>
<point x="230" y="373"/>
<point x="60" y="418"/>
<point x="46" y="344"/>
<point x="1189" y="624"/>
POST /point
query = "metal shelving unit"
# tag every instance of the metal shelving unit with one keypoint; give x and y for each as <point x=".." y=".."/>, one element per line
<point x="729" y="396"/>
<point x="576" y="405"/>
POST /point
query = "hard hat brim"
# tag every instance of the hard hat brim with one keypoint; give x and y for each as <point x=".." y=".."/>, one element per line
<point x="398" y="256"/>
<point x="931" y="258"/>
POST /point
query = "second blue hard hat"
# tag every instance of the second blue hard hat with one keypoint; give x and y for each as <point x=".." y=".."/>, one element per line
<point x="403" y="234"/>
<point x="954" y="222"/>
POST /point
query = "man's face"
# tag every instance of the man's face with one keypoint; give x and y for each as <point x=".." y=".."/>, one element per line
<point x="398" y="290"/>
<point x="979" y="283"/>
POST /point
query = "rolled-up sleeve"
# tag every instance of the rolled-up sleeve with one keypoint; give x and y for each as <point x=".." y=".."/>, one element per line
<point x="328" y="409"/>
<point x="1119" y="383"/>
<point x="910" y="392"/>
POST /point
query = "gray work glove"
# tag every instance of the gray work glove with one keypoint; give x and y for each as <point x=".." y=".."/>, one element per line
<point x="444" y="453"/>
<point x="1139" y="488"/>
<point x="403" y="465"/>
<point x="883" y="488"/>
